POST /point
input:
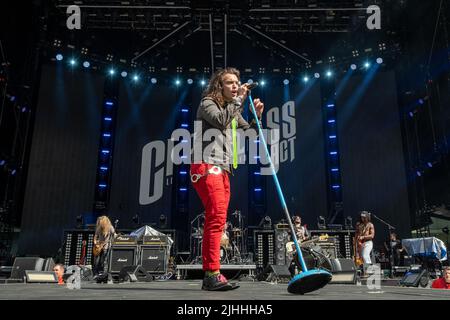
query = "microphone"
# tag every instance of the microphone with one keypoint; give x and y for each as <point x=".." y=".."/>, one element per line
<point x="252" y="85"/>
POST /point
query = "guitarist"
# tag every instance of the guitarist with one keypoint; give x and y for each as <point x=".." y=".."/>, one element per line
<point x="300" y="231"/>
<point x="104" y="233"/>
<point x="365" y="233"/>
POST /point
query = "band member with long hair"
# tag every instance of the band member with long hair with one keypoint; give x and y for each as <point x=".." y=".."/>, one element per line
<point x="220" y="109"/>
<point x="104" y="233"/>
<point x="365" y="233"/>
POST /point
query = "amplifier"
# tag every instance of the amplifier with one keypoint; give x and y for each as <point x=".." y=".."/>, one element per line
<point x="76" y="243"/>
<point x="126" y="240"/>
<point x="264" y="244"/>
<point x="154" y="259"/>
<point x="155" y="240"/>
<point x="122" y="256"/>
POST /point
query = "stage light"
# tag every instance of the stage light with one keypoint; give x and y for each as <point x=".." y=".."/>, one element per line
<point x="153" y="80"/>
<point x="2" y="163"/>
<point x="86" y="64"/>
<point x="59" y="57"/>
<point x="190" y="81"/>
<point x="263" y="83"/>
<point x="380" y="60"/>
<point x="112" y="72"/>
<point x="73" y="62"/>
<point x="367" y="65"/>
<point x="135" y="78"/>
<point x="177" y="82"/>
<point x="353" y="67"/>
<point x="13" y="172"/>
<point x="317" y="75"/>
<point x="419" y="174"/>
<point x="429" y="164"/>
<point x="203" y="82"/>
<point x="124" y="74"/>
<point x="421" y="101"/>
<point x="411" y="114"/>
<point x="329" y="74"/>
<point x="305" y="79"/>
<point x="285" y="82"/>
<point x="24" y="109"/>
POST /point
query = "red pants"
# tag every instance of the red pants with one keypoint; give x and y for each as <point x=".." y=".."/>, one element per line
<point x="214" y="191"/>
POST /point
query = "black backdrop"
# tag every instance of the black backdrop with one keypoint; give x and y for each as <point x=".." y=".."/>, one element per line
<point x="61" y="178"/>
<point x="372" y="161"/>
<point x="63" y="159"/>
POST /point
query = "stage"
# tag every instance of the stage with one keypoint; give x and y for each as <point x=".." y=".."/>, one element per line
<point x="191" y="290"/>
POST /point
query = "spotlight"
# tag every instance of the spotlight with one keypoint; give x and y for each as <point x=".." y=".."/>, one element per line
<point x="367" y="65"/>
<point x="2" y="163"/>
<point x="135" y="78"/>
<point x="305" y="79"/>
<point x="24" y="109"/>
<point x="124" y="74"/>
<point x="59" y="57"/>
<point x="329" y="74"/>
<point x="153" y="80"/>
<point x="429" y="164"/>
<point x="353" y="67"/>
<point x="190" y="81"/>
<point x="73" y="62"/>
<point x="203" y="82"/>
<point x="177" y="82"/>
<point x="317" y="75"/>
<point x="418" y="173"/>
<point x="286" y="82"/>
<point x="321" y="223"/>
<point x="86" y="64"/>
<point x="263" y="83"/>
<point x="380" y="60"/>
<point x="112" y="71"/>
<point x="421" y="101"/>
<point x="13" y="172"/>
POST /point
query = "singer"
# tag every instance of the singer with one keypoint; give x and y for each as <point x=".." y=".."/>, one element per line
<point x="104" y="233"/>
<point x="220" y="108"/>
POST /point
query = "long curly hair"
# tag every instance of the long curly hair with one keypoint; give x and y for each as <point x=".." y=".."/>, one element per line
<point x="215" y="85"/>
<point x="103" y="225"/>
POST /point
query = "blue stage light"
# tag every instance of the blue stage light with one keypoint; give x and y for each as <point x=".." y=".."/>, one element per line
<point x="190" y="81"/>
<point x="329" y="74"/>
<point x="263" y="83"/>
<point x="177" y="82"/>
<point x="317" y="75"/>
<point x="353" y="67"/>
<point x="135" y="78"/>
<point x="429" y="164"/>
<point x="124" y="74"/>
<point x="112" y="72"/>
<point x="367" y="65"/>
<point x="285" y="82"/>
<point x="59" y="57"/>
<point x="73" y="62"/>
<point x="86" y="64"/>
<point x="153" y="80"/>
<point x="2" y="163"/>
<point x="379" y="60"/>
<point x="305" y="79"/>
<point x="203" y="82"/>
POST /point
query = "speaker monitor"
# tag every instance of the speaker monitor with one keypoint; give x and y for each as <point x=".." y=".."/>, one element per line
<point x="40" y="276"/>
<point x="279" y="273"/>
<point x="134" y="274"/>
<point x="22" y="264"/>
<point x="49" y="264"/>
<point x="120" y="257"/>
<point x="154" y="259"/>
<point x="414" y="278"/>
<point x="344" y="271"/>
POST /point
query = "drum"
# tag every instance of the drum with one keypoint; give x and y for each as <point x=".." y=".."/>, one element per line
<point x="225" y="240"/>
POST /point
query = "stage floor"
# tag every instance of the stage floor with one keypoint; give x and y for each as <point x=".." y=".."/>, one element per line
<point x="190" y="290"/>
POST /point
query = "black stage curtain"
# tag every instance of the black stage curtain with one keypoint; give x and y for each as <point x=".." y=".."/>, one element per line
<point x="63" y="159"/>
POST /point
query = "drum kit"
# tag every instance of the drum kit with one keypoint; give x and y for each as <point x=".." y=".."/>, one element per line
<point x="232" y="244"/>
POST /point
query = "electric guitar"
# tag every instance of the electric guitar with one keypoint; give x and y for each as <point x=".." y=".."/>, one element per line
<point x="290" y="246"/>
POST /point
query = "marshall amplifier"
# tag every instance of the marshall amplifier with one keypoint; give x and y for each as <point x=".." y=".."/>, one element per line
<point x="155" y="240"/>
<point x="122" y="256"/>
<point x="154" y="259"/>
<point x="125" y="240"/>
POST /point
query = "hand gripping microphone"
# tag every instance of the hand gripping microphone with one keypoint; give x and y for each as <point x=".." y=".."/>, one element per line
<point x="252" y="85"/>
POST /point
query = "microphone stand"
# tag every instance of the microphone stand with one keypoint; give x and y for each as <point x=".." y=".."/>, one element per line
<point x="391" y="254"/>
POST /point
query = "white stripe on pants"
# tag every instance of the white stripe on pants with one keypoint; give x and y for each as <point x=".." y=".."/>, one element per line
<point x="366" y="249"/>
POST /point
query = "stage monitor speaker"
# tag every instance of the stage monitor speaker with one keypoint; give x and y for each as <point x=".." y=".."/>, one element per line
<point x="122" y="256"/>
<point x="344" y="271"/>
<point x="134" y="274"/>
<point x="274" y="273"/>
<point x="414" y="278"/>
<point x="154" y="259"/>
<point x="22" y="264"/>
<point x="40" y="276"/>
<point x="281" y="238"/>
